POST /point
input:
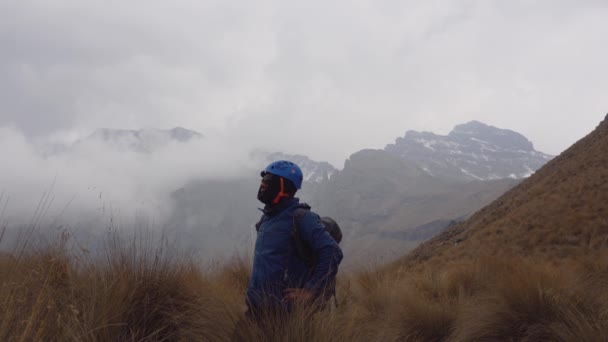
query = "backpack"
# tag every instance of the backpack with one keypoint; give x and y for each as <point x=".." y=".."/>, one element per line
<point x="305" y="252"/>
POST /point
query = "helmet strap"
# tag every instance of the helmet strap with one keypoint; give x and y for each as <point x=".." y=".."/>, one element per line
<point x="281" y="193"/>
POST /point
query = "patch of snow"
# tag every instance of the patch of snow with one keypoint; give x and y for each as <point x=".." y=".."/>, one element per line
<point x="481" y="141"/>
<point x="449" y="144"/>
<point x="534" y="153"/>
<point x="529" y="172"/>
<point x="470" y="174"/>
<point x="427" y="143"/>
<point x="513" y="176"/>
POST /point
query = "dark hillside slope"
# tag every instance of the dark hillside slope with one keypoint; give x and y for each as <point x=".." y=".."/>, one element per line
<point x="559" y="213"/>
<point x="379" y="198"/>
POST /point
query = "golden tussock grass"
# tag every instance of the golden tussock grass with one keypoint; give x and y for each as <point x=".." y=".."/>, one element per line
<point x="140" y="293"/>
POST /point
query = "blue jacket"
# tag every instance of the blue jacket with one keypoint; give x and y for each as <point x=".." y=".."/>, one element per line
<point x="276" y="265"/>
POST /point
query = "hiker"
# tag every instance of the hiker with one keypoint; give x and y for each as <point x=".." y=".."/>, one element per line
<point x="281" y="278"/>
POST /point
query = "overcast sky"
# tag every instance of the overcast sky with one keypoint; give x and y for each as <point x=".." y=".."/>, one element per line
<point x="321" y="78"/>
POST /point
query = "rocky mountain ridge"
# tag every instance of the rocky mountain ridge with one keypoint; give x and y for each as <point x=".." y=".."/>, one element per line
<point x="471" y="151"/>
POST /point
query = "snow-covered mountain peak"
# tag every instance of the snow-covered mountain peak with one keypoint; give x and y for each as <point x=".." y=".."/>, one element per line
<point x="471" y="151"/>
<point x="503" y="138"/>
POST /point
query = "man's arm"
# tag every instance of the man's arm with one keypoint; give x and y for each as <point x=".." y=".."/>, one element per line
<point x="329" y="253"/>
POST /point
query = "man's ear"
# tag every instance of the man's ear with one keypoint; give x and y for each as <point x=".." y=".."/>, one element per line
<point x="289" y="187"/>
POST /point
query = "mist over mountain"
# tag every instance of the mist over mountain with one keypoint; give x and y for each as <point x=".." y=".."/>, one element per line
<point x="111" y="174"/>
<point x="471" y="151"/>
<point x="201" y="190"/>
<point x="141" y="141"/>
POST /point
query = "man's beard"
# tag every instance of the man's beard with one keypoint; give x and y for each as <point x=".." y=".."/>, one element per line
<point x="267" y="195"/>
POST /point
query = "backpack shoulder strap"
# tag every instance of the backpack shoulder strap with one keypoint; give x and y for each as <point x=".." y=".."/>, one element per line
<point x="298" y="213"/>
<point x="301" y="249"/>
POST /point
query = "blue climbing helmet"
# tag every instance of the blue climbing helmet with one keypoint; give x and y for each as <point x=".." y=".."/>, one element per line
<point x="287" y="170"/>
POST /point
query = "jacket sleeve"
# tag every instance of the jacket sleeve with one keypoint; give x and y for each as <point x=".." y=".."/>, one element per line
<point x="329" y="253"/>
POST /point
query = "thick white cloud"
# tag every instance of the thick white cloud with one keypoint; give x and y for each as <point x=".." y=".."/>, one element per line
<point x="97" y="180"/>
<point x="318" y="78"/>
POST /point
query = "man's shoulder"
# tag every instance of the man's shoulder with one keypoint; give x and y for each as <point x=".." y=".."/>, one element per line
<point x="306" y="218"/>
<point x="300" y="209"/>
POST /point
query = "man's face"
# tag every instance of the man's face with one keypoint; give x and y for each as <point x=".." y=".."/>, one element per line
<point x="268" y="189"/>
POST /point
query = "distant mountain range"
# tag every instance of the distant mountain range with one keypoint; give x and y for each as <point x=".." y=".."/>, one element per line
<point x="471" y="151"/>
<point x="388" y="201"/>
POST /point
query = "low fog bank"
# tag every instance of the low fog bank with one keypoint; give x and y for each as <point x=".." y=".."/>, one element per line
<point x="91" y="187"/>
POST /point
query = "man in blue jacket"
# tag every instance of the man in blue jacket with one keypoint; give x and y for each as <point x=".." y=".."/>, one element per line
<point x="280" y="277"/>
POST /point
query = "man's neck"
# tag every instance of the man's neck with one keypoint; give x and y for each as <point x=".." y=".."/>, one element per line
<point x="273" y="208"/>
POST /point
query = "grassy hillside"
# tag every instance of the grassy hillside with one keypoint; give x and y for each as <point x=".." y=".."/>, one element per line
<point x="147" y="295"/>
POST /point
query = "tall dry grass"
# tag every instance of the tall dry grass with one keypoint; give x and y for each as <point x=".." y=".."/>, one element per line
<point x="139" y="292"/>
